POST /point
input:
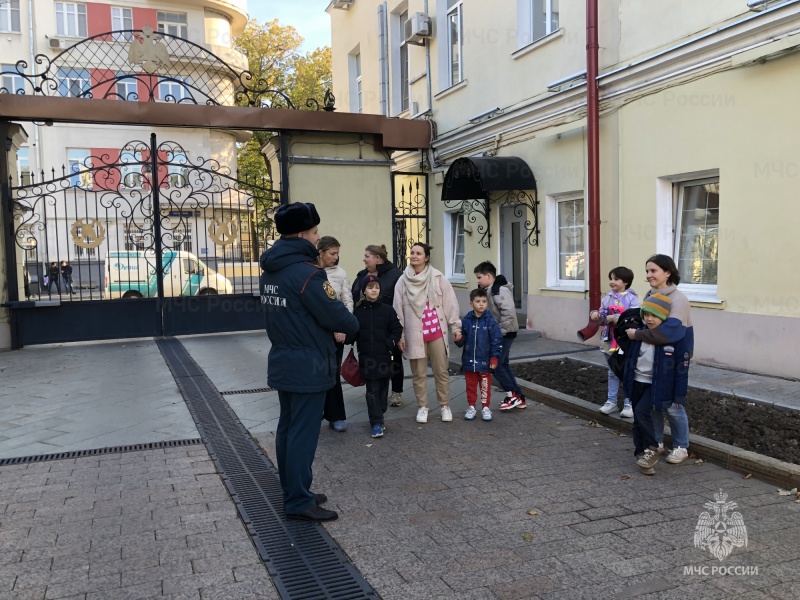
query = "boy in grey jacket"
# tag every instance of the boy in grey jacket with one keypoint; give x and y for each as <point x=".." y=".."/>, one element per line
<point x="501" y="307"/>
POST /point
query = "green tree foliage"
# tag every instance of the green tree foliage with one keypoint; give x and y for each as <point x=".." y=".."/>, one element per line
<point x="275" y="62"/>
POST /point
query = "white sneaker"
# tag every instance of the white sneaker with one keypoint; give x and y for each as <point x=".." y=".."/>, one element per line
<point x="661" y="450"/>
<point x="447" y="414"/>
<point x="627" y="411"/>
<point x="677" y="456"/>
<point x="608" y="408"/>
<point x="470" y="414"/>
<point x="486" y="414"/>
<point x="422" y="415"/>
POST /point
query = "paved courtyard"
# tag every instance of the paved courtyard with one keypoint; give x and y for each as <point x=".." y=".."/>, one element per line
<point x="535" y="504"/>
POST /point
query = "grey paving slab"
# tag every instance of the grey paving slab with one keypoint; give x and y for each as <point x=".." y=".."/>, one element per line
<point x="107" y="553"/>
<point x="68" y="397"/>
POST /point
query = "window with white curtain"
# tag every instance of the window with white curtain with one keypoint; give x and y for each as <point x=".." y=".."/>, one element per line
<point x="566" y="241"/>
<point x="454" y="236"/>
<point x="696" y="232"/>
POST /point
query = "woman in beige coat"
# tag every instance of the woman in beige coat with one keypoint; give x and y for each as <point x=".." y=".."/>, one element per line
<point x="426" y="305"/>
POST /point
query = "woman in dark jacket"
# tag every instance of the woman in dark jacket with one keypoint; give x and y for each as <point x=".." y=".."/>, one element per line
<point x="376" y="261"/>
<point x="379" y="332"/>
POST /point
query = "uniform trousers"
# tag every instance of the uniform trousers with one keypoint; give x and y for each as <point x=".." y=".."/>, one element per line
<point x="296" y="444"/>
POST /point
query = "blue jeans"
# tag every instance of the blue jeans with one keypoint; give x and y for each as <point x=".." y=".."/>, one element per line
<point x="678" y="424"/>
<point x="503" y="374"/>
<point x="643" y="427"/>
<point x="295" y="445"/>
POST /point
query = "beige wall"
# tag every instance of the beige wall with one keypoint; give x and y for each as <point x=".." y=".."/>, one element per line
<point x="353" y="200"/>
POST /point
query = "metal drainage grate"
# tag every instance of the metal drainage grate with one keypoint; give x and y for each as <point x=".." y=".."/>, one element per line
<point x="253" y="391"/>
<point x="21" y="460"/>
<point x="302" y="558"/>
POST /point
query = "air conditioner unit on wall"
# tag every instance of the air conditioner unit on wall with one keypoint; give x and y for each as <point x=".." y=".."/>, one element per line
<point x="55" y="43"/>
<point x="417" y="29"/>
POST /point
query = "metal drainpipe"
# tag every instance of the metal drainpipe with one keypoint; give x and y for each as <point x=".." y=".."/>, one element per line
<point x="593" y="153"/>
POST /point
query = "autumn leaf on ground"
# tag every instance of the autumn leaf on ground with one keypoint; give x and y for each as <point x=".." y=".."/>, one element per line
<point x="616" y="433"/>
<point x="699" y="461"/>
<point x="792" y="492"/>
<point x="369" y="445"/>
<point x="532" y="513"/>
<point x="594" y="424"/>
<point x="748" y="476"/>
<point x="527" y="537"/>
<point x="625" y="477"/>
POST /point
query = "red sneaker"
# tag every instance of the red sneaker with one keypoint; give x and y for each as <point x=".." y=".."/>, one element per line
<point x="509" y="402"/>
<point x="521" y="403"/>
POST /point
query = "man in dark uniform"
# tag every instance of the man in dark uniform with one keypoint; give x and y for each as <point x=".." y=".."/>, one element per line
<point x="302" y="315"/>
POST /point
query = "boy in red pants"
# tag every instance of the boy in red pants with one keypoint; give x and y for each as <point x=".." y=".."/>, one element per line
<point x="482" y="343"/>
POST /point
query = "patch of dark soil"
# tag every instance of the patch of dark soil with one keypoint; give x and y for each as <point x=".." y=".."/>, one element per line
<point x="720" y="417"/>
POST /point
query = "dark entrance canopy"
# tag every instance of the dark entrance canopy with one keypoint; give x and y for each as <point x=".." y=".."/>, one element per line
<point x="472" y="178"/>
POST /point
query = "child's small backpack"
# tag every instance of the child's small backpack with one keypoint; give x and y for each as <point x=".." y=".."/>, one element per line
<point x="631" y="318"/>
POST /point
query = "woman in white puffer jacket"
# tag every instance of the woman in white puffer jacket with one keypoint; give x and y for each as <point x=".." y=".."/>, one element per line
<point x="328" y="259"/>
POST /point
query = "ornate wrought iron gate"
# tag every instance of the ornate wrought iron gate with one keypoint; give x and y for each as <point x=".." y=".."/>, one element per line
<point x="409" y="214"/>
<point x="140" y="242"/>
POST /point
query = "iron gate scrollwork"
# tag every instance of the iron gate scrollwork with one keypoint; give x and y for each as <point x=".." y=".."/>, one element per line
<point x="410" y="219"/>
<point x="147" y="221"/>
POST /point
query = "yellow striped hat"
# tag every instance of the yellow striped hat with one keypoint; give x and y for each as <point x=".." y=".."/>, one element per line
<point x="658" y="305"/>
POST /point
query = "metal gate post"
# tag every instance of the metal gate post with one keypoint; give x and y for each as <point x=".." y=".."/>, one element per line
<point x="8" y="233"/>
<point x="155" y="184"/>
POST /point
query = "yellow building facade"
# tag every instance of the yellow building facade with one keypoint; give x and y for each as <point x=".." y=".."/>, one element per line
<point x="698" y="158"/>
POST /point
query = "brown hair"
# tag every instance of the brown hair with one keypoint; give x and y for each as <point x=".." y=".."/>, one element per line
<point x="327" y="242"/>
<point x="379" y="251"/>
<point x="665" y="263"/>
<point x="425" y="248"/>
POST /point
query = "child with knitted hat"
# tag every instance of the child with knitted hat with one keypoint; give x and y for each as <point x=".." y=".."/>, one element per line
<point x="379" y="332"/>
<point x="656" y="377"/>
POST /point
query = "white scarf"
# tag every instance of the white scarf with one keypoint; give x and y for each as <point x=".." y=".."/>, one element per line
<point x="419" y="289"/>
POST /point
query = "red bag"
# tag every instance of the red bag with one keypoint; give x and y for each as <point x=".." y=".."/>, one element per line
<point x="350" y="371"/>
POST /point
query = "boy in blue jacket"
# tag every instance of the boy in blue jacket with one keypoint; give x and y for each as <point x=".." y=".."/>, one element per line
<point x="656" y="377"/>
<point x="482" y="341"/>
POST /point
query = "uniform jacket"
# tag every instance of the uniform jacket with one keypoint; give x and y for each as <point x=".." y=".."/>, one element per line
<point x="670" y="371"/>
<point x="481" y="340"/>
<point x="677" y="326"/>
<point x="388" y="275"/>
<point x="614" y="303"/>
<point x="502" y="307"/>
<point x="338" y="279"/>
<point x="379" y="331"/>
<point x="446" y="305"/>
<point x="302" y="312"/>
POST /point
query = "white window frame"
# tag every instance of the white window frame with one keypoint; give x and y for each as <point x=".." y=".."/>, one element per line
<point x="10" y="16"/>
<point x="131" y="176"/>
<point x="453" y="233"/>
<point x="71" y="19"/>
<point x="122" y="18"/>
<point x="24" y="165"/>
<point x="168" y="23"/>
<point x="78" y="168"/>
<point x="354" y="80"/>
<point x="528" y="30"/>
<point x="169" y="86"/>
<point x="80" y="251"/>
<point x="554" y="280"/>
<point x="400" y="89"/>
<point x="11" y="81"/>
<point x="125" y="87"/>
<point x="69" y="78"/>
<point x="668" y="206"/>
<point x="457" y="10"/>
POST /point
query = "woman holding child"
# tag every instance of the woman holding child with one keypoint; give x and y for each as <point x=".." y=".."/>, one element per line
<point x="671" y="337"/>
<point x="426" y="306"/>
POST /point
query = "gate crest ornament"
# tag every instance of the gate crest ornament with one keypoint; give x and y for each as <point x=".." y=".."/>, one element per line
<point x="149" y="52"/>
<point x="223" y="231"/>
<point x="88" y="233"/>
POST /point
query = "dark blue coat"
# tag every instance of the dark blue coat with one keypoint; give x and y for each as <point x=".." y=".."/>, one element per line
<point x="379" y="332"/>
<point x="670" y="371"/>
<point x="481" y="340"/>
<point x="302" y="313"/>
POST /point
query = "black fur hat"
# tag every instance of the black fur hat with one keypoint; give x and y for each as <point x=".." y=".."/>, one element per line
<point x="297" y="217"/>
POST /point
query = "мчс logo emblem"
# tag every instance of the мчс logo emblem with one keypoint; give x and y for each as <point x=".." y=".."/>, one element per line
<point x="720" y="532"/>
